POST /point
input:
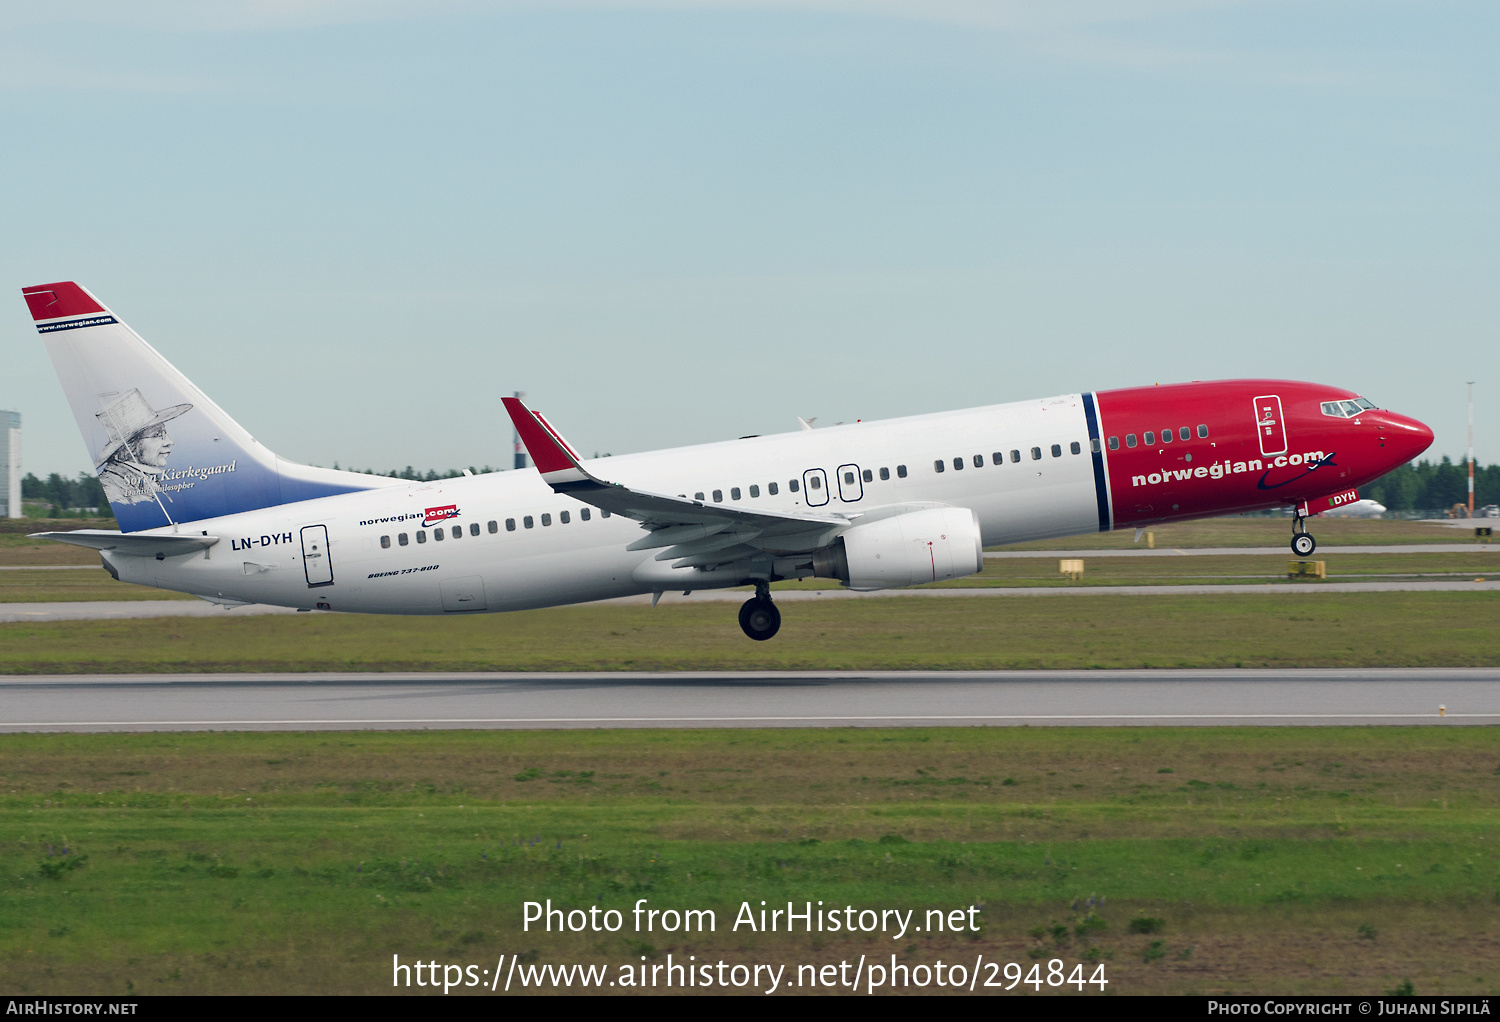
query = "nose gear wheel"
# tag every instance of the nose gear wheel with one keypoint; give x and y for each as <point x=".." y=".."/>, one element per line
<point x="1303" y="543"/>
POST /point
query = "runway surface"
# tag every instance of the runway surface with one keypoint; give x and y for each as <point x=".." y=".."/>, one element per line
<point x="335" y="702"/>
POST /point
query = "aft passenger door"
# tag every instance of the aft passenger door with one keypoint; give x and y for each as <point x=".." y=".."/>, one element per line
<point x="315" y="561"/>
<point x="1269" y="425"/>
<point x="815" y="487"/>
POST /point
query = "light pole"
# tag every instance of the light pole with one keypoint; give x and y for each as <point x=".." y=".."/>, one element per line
<point x="1471" y="448"/>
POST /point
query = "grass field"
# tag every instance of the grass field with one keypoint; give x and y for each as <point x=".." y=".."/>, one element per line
<point x="1240" y="630"/>
<point x="1287" y="860"/>
<point x="17" y="548"/>
<point x="39" y="585"/>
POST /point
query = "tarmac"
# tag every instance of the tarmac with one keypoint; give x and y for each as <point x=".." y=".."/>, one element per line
<point x="397" y="701"/>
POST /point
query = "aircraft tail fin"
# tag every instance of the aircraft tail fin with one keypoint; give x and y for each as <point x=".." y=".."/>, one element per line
<point x="165" y="453"/>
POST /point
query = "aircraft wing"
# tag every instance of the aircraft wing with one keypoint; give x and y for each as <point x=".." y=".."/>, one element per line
<point x="694" y="533"/>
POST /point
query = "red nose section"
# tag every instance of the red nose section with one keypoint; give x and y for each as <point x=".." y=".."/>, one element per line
<point x="1405" y="438"/>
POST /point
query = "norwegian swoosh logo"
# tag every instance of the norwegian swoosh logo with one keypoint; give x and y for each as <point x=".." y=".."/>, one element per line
<point x="1261" y="483"/>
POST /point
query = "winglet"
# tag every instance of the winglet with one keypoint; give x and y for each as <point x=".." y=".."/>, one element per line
<point x="550" y="453"/>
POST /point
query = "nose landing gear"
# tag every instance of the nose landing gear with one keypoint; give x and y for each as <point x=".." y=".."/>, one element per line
<point x="759" y="617"/>
<point x="1303" y="543"/>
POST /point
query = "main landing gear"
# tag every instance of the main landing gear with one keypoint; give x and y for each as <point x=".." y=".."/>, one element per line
<point x="758" y="615"/>
<point x="1302" y="542"/>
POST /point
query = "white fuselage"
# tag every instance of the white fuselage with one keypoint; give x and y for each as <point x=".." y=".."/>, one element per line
<point x="384" y="555"/>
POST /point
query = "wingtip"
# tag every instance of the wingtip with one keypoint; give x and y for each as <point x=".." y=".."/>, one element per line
<point x="548" y="452"/>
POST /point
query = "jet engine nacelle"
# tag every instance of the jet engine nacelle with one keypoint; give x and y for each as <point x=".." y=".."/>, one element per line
<point x="904" y="550"/>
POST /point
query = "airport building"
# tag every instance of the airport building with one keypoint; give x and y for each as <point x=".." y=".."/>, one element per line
<point x="10" y="464"/>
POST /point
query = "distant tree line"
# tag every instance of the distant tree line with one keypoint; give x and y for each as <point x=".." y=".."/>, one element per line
<point x="421" y="477"/>
<point x="57" y="496"/>
<point x="1434" y="487"/>
<point x="66" y="498"/>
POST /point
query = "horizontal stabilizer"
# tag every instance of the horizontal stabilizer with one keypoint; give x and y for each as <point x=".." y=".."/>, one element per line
<point x="134" y="544"/>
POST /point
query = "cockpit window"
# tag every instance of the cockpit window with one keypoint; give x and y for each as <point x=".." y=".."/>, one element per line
<point x="1347" y="409"/>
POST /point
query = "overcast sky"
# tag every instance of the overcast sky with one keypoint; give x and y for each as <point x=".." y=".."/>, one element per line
<point x="357" y="225"/>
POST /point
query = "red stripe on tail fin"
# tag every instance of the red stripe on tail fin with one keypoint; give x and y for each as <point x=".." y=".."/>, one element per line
<point x="55" y="301"/>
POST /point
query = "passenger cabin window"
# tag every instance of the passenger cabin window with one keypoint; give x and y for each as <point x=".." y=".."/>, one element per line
<point x="1129" y="439"/>
<point x="529" y="522"/>
<point x="754" y="491"/>
<point x="718" y="496"/>
<point x="998" y="458"/>
<point x="958" y="464"/>
<point x="1203" y="430"/>
<point x="901" y="471"/>
<point x="698" y="495"/>
<point x="938" y="466"/>
<point x="867" y="476"/>
<point x="792" y="485"/>
<point x="816" y="482"/>
<point x="771" y="488"/>
<point x="1114" y="443"/>
<point x="385" y="542"/>
<point x="585" y="513"/>
<point x="1184" y="433"/>
<point x="1036" y="454"/>
<point x="848" y="478"/>
<point x="421" y="536"/>
<point x="510" y="525"/>
<point x="603" y="513"/>
<point x="1166" y="436"/>
<point x="494" y="527"/>
<point x="885" y="474"/>
<point x="401" y="538"/>
<point x="546" y="520"/>
<point x="458" y="532"/>
<point x="979" y="461"/>
<point x="437" y="535"/>
<point x="734" y="493"/>
<point x="564" y="517"/>
<point x="1076" y="449"/>
<point x="1150" y="438"/>
<point x="1015" y="456"/>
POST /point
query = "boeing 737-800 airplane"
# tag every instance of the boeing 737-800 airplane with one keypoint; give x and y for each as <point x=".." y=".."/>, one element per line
<point x="206" y="509"/>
